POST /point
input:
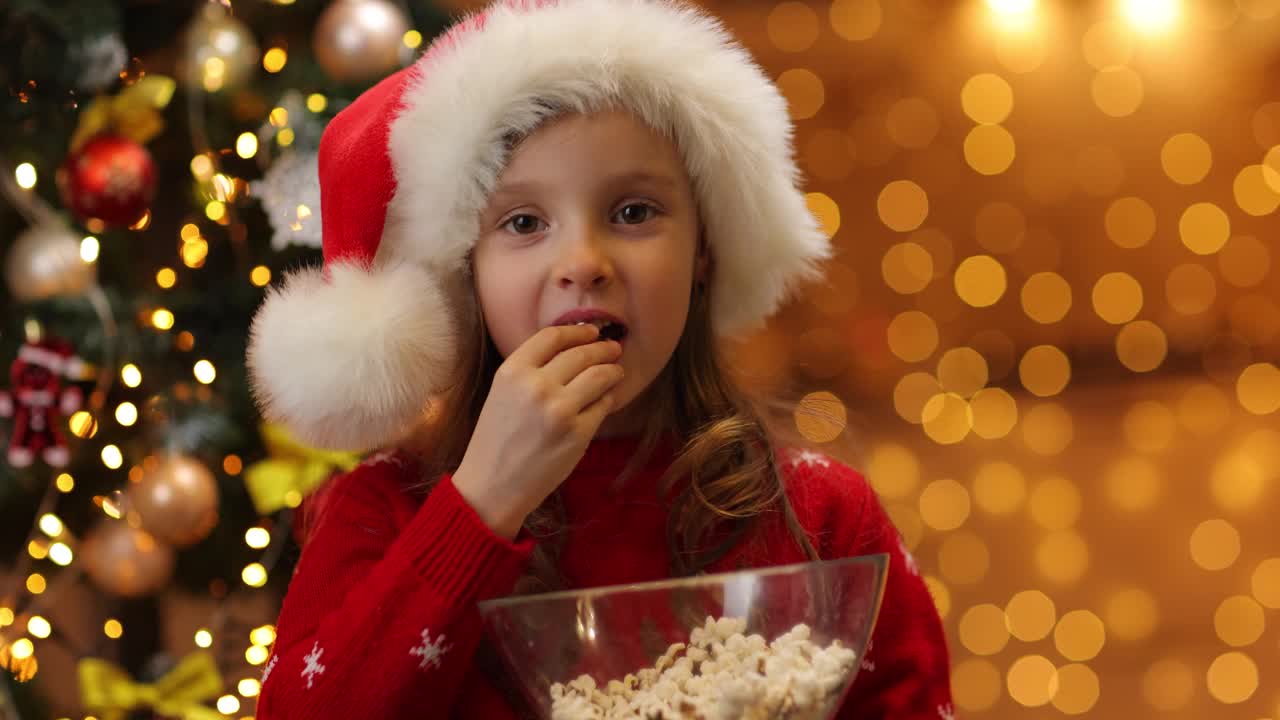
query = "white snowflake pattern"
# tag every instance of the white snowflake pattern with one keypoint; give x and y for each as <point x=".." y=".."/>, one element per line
<point x="946" y="712"/>
<point x="313" y="667"/>
<point x="809" y="457"/>
<point x="271" y="665"/>
<point x="908" y="557"/>
<point x="430" y="650"/>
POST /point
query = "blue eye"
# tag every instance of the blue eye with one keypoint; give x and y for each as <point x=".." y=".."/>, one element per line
<point x="522" y="224"/>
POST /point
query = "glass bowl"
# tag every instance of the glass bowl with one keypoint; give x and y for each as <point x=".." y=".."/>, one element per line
<point x="802" y="630"/>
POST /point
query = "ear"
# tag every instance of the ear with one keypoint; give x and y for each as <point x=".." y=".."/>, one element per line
<point x="702" y="261"/>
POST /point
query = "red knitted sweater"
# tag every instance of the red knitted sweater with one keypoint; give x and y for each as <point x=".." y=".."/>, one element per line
<point x="380" y="619"/>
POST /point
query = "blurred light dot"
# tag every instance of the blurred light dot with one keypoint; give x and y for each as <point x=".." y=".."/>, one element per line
<point x="989" y="149"/>
<point x="1168" y="685"/>
<point x="1239" y="621"/>
<point x="60" y="554"/>
<point x="1131" y="614"/>
<point x="126" y="413"/>
<point x="66" y="483"/>
<point x="1030" y="615"/>
<point x="6" y="616"/>
<point x="185" y="341"/>
<point x="412" y="39"/>
<point x="232" y="465"/>
<point x="247" y="145"/>
<point x="89" y="248"/>
<point x="1151" y="16"/>
<point x="1062" y="557"/>
<point x="1132" y="483"/>
<point x="1117" y="91"/>
<point x="228" y="704"/>
<point x="912" y="393"/>
<point x="166" y="278"/>
<point x="131" y="375"/>
<point x="39" y="627"/>
<point x="1000" y="227"/>
<point x="1079" y="635"/>
<point x="1190" y="289"/>
<point x="1244" y="261"/>
<point x="25" y="175"/>
<point x="254" y="575"/>
<point x="963" y="558"/>
<point x="912" y="336"/>
<point x="82" y="424"/>
<point x="260" y="276"/>
<point x="111" y="457"/>
<point x="907" y="519"/>
<point x="944" y="504"/>
<point x="1215" y="544"/>
<point x="903" y="205"/>
<point x="1237" y="481"/>
<point x="980" y="280"/>
<point x="1186" y="158"/>
<point x="820" y="417"/>
<point x="1204" y="228"/>
<point x="1232" y="678"/>
<point x="204" y="371"/>
<point x="1258" y="389"/>
<point x="113" y="629"/>
<point x="22" y="649"/>
<point x="1141" y="346"/>
<point x="982" y="630"/>
<point x="38" y="549"/>
<point x="804" y="92"/>
<point x="263" y="635"/>
<point x="962" y="371"/>
<point x="273" y="60"/>
<point x="257" y="538"/>
<point x="1117" y="297"/>
<point x="1047" y="429"/>
<point x="825" y="210"/>
<point x="1078" y="689"/>
<point x="999" y="488"/>
<point x="317" y="102"/>
<point x="976" y="684"/>
<point x="1257" y="190"/>
<point x="912" y="123"/>
<point x="36" y="583"/>
<point x="907" y="268"/>
<point x="1055" y="503"/>
<point x="1032" y="680"/>
<point x="1044" y="370"/>
<point x="1046" y="297"/>
<point x="204" y="638"/>
<point x="248" y="687"/>
<point x="194" y="252"/>
<point x="1106" y="44"/>
<point x="1265" y="583"/>
<point x="987" y="98"/>
<point x="855" y="20"/>
<point x="995" y="412"/>
<point x="162" y="319"/>
<point x="256" y="654"/>
<point x="50" y="525"/>
<point x="1130" y="222"/>
<point x="792" y="26"/>
<point x="947" y="418"/>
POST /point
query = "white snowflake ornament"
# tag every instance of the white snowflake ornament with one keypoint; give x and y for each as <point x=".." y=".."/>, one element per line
<point x="430" y="650"/>
<point x="313" y="668"/>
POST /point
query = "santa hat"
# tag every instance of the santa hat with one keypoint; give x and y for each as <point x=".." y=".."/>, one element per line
<point x="348" y="356"/>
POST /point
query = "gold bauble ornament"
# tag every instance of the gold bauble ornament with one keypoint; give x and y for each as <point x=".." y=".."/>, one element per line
<point x="177" y="501"/>
<point x="45" y="262"/>
<point x="220" y="51"/>
<point x="126" y="561"/>
<point x="359" y="40"/>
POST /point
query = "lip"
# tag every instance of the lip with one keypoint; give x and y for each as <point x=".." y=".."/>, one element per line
<point x="578" y="315"/>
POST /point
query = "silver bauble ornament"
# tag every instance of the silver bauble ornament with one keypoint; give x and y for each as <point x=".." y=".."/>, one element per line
<point x="177" y="500"/>
<point x="359" y="40"/>
<point x="45" y="262"/>
<point x="126" y="561"/>
<point x="220" y="51"/>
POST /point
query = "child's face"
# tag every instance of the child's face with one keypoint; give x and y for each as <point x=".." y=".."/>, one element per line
<point x="592" y="211"/>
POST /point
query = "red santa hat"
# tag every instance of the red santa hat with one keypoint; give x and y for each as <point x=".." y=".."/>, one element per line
<point x="349" y="356"/>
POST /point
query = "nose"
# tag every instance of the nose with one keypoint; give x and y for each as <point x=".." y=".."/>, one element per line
<point x="584" y="261"/>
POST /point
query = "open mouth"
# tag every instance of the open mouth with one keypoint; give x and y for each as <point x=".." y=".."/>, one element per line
<point x="608" y="330"/>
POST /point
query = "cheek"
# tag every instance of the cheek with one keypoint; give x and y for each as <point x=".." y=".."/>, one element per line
<point x="506" y="306"/>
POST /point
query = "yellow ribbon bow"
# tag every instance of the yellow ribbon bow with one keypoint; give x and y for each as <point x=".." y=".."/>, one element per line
<point x="292" y="472"/>
<point x="134" y="112"/>
<point x="107" y="690"/>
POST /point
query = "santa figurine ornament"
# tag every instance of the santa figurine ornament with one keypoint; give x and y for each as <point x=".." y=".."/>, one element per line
<point x="37" y="399"/>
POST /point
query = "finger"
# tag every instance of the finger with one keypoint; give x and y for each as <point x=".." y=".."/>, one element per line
<point x="591" y="384"/>
<point x="594" y="414"/>
<point x="548" y="342"/>
<point x="571" y="363"/>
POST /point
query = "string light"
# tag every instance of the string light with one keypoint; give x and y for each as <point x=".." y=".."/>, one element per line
<point x="204" y="371"/>
<point x="113" y="629"/>
<point x="89" y="248"/>
<point x="257" y="538"/>
<point x="131" y="376"/>
<point x="247" y="145"/>
<point x="25" y="175"/>
<point x="204" y="638"/>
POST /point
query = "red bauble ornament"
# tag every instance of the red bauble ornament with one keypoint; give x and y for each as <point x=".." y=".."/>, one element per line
<point x="110" y="178"/>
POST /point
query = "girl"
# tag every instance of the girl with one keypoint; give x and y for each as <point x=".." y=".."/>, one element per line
<point x="533" y="240"/>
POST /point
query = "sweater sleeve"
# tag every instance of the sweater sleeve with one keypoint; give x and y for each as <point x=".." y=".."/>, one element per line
<point x="905" y="673"/>
<point x="380" y="621"/>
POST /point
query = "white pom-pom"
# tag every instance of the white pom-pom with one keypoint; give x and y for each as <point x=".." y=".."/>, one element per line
<point x="350" y="362"/>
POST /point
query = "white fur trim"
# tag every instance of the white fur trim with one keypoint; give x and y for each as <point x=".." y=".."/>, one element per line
<point x="350" y="362"/>
<point x="675" y="68"/>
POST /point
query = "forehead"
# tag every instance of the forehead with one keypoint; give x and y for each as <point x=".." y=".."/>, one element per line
<point x="606" y="143"/>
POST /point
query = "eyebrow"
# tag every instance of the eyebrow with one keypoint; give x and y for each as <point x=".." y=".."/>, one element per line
<point x="663" y="181"/>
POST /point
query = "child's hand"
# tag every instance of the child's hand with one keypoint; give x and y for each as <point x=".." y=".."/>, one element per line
<point x="547" y="401"/>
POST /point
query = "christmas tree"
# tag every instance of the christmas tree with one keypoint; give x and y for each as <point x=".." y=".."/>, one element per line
<point x="159" y="172"/>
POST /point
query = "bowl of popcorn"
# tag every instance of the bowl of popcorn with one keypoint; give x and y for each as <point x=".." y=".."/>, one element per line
<point x="777" y="642"/>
